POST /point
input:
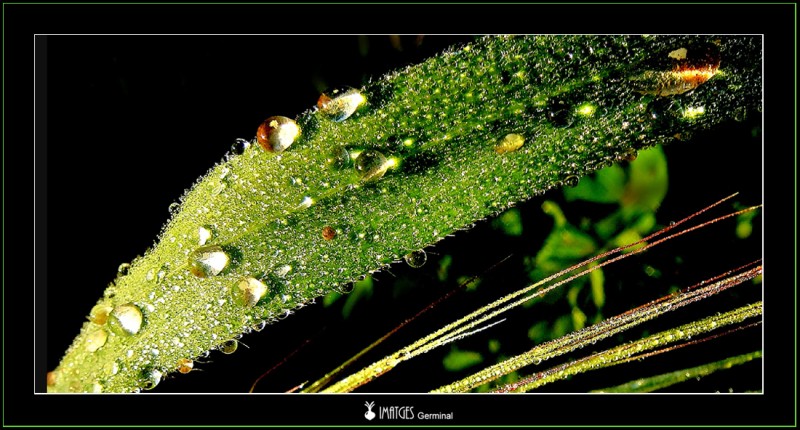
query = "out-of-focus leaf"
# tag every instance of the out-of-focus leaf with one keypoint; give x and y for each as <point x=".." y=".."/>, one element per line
<point x="510" y="222"/>
<point x="606" y="186"/>
<point x="458" y="360"/>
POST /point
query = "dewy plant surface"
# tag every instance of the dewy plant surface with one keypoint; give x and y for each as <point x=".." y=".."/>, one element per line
<point x="371" y="175"/>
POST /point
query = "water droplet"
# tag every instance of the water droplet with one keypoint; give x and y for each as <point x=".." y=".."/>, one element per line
<point x="125" y="320"/>
<point x="229" y="346"/>
<point x="342" y="105"/>
<point x="328" y="232"/>
<point x="629" y="155"/>
<point x="277" y="133"/>
<point x="208" y="260"/>
<point x="338" y="158"/>
<point x="97" y="388"/>
<point x="173" y="207"/>
<point x="283" y="270"/>
<point x="123" y="269"/>
<point x="559" y="113"/>
<point x="571" y="181"/>
<point x="371" y="165"/>
<point x="185" y="365"/>
<point x="510" y="143"/>
<point x="149" y="378"/>
<point x="680" y="70"/>
<point x="204" y="234"/>
<point x="306" y="202"/>
<point x="96" y="339"/>
<point x="52" y="378"/>
<point x="260" y="326"/>
<point x="239" y="146"/>
<point x="99" y="313"/>
<point x="416" y="259"/>
<point x="248" y="292"/>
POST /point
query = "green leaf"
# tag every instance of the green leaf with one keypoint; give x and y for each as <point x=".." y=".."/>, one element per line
<point x="648" y="180"/>
<point x="605" y="186"/>
<point x="510" y="222"/>
<point x="596" y="280"/>
<point x="362" y="290"/>
<point x="432" y="149"/>
<point x="457" y="360"/>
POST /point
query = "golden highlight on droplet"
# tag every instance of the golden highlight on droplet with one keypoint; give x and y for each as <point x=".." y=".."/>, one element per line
<point x="510" y="143"/>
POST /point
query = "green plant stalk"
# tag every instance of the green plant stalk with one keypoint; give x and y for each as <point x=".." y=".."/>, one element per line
<point x="623" y="352"/>
<point x="594" y="333"/>
<point x="579" y="102"/>
<point x="658" y="382"/>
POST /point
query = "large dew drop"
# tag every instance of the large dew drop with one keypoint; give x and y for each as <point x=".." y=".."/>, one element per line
<point x="208" y="260"/>
<point x="510" y="143"/>
<point x="149" y="378"/>
<point x="185" y="365"/>
<point x="249" y="291"/>
<point x="125" y="320"/>
<point x="342" y="105"/>
<point x="371" y="165"/>
<point x="96" y="340"/>
<point x="99" y="313"/>
<point x="277" y="133"/>
<point x="416" y="259"/>
<point x="229" y="346"/>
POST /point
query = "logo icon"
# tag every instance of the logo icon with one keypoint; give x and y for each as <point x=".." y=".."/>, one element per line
<point x="369" y="414"/>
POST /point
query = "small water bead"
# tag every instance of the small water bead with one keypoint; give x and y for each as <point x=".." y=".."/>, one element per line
<point x="123" y="269"/>
<point x="559" y="113"/>
<point x="416" y="259"/>
<point x="328" y="233"/>
<point x="510" y="143"/>
<point x="248" y="292"/>
<point x="150" y="378"/>
<point x="239" y="146"/>
<point x="173" y="207"/>
<point x="99" y="313"/>
<point x="338" y="158"/>
<point x="229" y="346"/>
<point x="208" y="260"/>
<point x="52" y="378"/>
<point x="204" y="234"/>
<point x="96" y="339"/>
<point x="571" y="181"/>
<point x="277" y="133"/>
<point x="185" y="365"/>
<point x="260" y="326"/>
<point x="342" y="105"/>
<point x="371" y="165"/>
<point x="125" y="320"/>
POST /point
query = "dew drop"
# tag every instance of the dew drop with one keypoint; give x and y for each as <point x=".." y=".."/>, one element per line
<point x="559" y="113"/>
<point x="123" y="269"/>
<point x="342" y="105"/>
<point x="185" y="365"/>
<point x="52" y="378"/>
<point x="328" y="233"/>
<point x="229" y="346"/>
<point x="208" y="260"/>
<point x="173" y="207"/>
<point x="204" y="234"/>
<point x="125" y="320"/>
<point x="96" y="339"/>
<point x="260" y="326"/>
<point x="510" y="143"/>
<point x="571" y="181"/>
<point x="248" y="292"/>
<point x="99" y="314"/>
<point x="277" y="133"/>
<point x="306" y="203"/>
<point x="416" y="259"/>
<point x="338" y="158"/>
<point x="239" y="146"/>
<point x="371" y="165"/>
<point x="149" y="378"/>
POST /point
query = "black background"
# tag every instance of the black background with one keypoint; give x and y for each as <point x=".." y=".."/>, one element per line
<point x="147" y="102"/>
